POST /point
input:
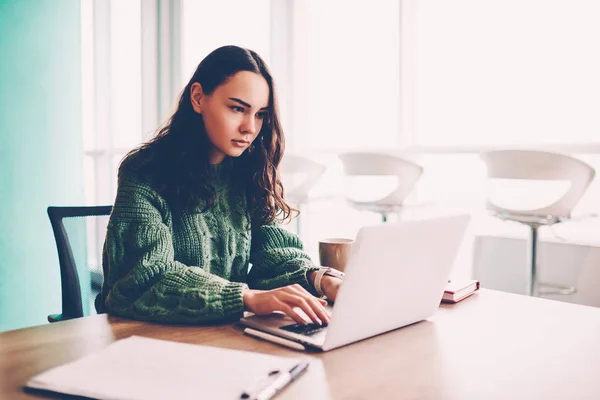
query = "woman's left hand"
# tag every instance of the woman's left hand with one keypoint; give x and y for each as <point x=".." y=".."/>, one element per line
<point x="331" y="285"/>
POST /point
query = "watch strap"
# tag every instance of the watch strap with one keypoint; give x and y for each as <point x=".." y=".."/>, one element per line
<point x="317" y="283"/>
<point x="319" y="277"/>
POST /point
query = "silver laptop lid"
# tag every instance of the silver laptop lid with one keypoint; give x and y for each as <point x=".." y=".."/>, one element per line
<point x="395" y="276"/>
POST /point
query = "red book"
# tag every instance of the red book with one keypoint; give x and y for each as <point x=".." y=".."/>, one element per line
<point x="458" y="290"/>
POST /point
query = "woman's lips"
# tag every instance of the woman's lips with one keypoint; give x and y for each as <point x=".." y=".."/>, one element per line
<point x="240" y="143"/>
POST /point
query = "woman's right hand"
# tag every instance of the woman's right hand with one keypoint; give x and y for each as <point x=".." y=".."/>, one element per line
<point x="285" y="299"/>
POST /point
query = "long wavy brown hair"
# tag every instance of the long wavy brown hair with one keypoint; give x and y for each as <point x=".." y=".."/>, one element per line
<point x="180" y="150"/>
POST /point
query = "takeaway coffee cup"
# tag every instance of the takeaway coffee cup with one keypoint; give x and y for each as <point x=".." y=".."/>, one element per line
<point x="334" y="252"/>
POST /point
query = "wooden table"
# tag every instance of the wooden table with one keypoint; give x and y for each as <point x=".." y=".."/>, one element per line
<point x="493" y="345"/>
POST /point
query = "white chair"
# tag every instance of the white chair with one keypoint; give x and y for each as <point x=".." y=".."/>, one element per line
<point x="379" y="182"/>
<point x="299" y="174"/>
<point x="563" y="176"/>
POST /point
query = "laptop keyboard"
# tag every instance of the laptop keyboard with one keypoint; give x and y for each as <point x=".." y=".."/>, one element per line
<point x="308" y="330"/>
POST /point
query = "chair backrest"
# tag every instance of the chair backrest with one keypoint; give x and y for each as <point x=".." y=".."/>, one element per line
<point x="405" y="172"/>
<point x="79" y="280"/>
<point x="538" y="165"/>
<point x="299" y="175"/>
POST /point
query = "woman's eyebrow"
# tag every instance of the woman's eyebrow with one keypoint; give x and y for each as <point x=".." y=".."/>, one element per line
<point x="244" y="103"/>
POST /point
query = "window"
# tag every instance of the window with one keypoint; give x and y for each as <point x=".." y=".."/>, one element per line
<point x="209" y="25"/>
<point x="345" y="96"/>
<point x="346" y="75"/>
<point x="111" y="102"/>
<point x="112" y="92"/>
<point x="495" y="73"/>
<point x="125" y="74"/>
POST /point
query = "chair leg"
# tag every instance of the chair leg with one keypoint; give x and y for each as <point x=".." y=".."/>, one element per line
<point x="532" y="259"/>
<point x="298" y="226"/>
<point x="537" y="288"/>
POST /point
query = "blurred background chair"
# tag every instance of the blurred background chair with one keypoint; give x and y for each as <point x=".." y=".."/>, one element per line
<point x="535" y="188"/>
<point x="299" y="174"/>
<point x="379" y="182"/>
<point x="79" y="232"/>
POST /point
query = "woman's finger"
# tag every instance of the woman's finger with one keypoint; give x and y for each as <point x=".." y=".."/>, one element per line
<point x="290" y="312"/>
<point x="316" y="303"/>
<point x="299" y="289"/>
<point x="313" y="302"/>
<point x="304" y="305"/>
<point x="319" y="310"/>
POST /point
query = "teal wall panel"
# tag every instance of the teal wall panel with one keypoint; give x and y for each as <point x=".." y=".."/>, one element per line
<point x="40" y="149"/>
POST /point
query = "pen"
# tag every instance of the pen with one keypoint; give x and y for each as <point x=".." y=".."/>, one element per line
<point x="282" y="381"/>
<point x="273" y="338"/>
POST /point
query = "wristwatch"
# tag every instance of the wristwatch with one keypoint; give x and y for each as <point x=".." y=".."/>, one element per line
<point x="326" y="271"/>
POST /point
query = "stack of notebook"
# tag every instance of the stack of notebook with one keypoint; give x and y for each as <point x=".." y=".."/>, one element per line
<point x="458" y="290"/>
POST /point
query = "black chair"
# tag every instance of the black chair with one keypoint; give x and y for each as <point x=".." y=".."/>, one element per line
<point x="79" y="285"/>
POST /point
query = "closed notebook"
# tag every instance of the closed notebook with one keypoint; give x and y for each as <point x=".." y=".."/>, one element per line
<point x="144" y="368"/>
<point x="458" y="290"/>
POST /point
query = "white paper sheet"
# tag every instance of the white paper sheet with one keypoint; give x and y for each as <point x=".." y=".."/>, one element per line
<point x="144" y="368"/>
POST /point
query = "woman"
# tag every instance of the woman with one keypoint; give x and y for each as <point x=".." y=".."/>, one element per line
<point x="200" y="202"/>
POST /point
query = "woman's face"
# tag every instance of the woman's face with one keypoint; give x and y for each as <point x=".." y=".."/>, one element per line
<point x="233" y="114"/>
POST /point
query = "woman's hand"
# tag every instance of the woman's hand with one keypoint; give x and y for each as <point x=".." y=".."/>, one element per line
<point x="262" y="302"/>
<point x="331" y="285"/>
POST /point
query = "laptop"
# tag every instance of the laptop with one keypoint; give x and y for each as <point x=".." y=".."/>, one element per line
<point x="395" y="276"/>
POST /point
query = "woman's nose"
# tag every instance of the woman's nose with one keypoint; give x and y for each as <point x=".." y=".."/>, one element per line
<point x="249" y="125"/>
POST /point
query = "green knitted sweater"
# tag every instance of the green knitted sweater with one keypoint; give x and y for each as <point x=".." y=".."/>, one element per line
<point x="171" y="266"/>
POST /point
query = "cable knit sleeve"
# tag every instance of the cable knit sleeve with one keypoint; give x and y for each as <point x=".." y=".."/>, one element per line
<point x="142" y="278"/>
<point x="278" y="259"/>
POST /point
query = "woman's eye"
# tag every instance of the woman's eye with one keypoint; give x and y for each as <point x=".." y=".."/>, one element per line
<point x="237" y="109"/>
<point x="261" y="115"/>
